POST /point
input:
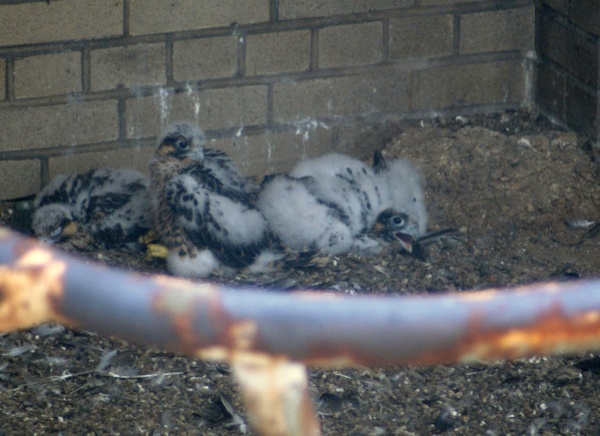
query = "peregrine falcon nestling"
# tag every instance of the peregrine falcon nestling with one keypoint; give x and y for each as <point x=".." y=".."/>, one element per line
<point x="105" y="207"/>
<point x="338" y="204"/>
<point x="205" y="211"/>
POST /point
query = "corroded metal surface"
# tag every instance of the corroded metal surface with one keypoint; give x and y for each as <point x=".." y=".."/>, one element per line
<point x="211" y="321"/>
<point x="30" y="288"/>
<point x="268" y="336"/>
<point x="276" y="395"/>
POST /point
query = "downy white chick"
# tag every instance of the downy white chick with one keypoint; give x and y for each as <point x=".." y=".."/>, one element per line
<point x="333" y="202"/>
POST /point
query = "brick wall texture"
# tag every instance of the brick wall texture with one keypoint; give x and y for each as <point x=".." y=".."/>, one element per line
<point x="90" y="83"/>
<point x="568" y="79"/>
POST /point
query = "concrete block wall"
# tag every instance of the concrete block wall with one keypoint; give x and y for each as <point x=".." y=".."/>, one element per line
<point x="568" y="43"/>
<point x="90" y="83"/>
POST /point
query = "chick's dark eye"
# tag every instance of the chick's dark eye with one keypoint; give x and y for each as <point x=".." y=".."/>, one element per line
<point x="397" y="220"/>
<point x="182" y="144"/>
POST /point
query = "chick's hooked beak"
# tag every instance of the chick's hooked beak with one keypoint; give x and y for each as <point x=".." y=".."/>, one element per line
<point x="396" y="226"/>
<point x="60" y="233"/>
<point x="408" y="236"/>
<point x="197" y="154"/>
<point x="406" y="241"/>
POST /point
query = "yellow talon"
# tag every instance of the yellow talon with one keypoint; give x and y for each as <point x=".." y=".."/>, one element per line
<point x="148" y="237"/>
<point x="156" y="250"/>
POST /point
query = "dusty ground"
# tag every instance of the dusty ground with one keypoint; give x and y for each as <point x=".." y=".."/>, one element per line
<point x="507" y="182"/>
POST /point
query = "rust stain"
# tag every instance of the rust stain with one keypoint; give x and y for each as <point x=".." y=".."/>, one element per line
<point x="216" y="353"/>
<point x="179" y="300"/>
<point x="183" y="301"/>
<point x="31" y="291"/>
<point x="242" y="335"/>
<point x="276" y="395"/>
<point x="551" y="333"/>
<point x="490" y="294"/>
<point x="337" y="356"/>
<point x="36" y="256"/>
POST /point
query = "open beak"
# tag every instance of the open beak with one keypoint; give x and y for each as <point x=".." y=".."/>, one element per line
<point x="408" y="237"/>
<point x="406" y="241"/>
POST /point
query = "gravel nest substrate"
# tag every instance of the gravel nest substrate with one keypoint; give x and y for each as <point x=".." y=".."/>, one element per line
<point x="507" y="182"/>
